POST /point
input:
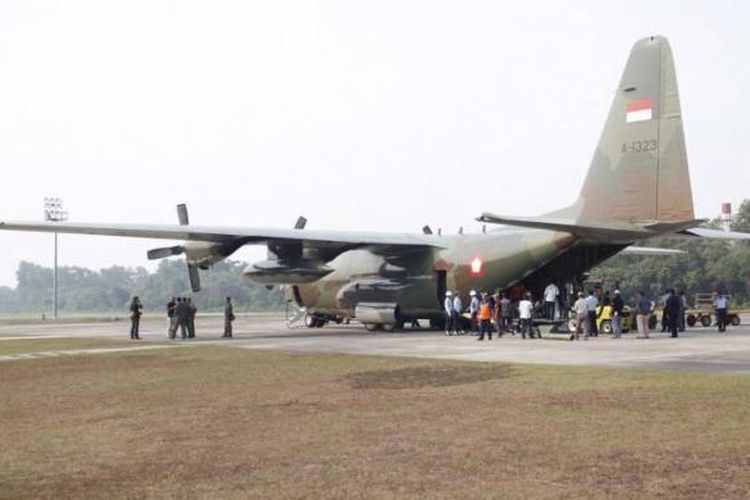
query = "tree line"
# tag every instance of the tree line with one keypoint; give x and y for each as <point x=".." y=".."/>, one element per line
<point x="111" y="289"/>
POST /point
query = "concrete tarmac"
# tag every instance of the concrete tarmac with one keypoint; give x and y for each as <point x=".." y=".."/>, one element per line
<point x="697" y="349"/>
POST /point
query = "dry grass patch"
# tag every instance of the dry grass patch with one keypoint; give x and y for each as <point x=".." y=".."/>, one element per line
<point x="427" y="376"/>
<point x="220" y="422"/>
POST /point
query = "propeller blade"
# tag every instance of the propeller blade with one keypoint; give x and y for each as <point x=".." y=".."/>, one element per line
<point x="160" y="253"/>
<point x="195" y="278"/>
<point x="182" y="214"/>
<point x="301" y="222"/>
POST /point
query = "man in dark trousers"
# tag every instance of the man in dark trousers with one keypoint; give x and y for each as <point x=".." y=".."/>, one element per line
<point x="171" y="306"/>
<point x="135" y="318"/>
<point x="672" y="309"/>
<point x="721" y="303"/>
<point x="191" y="310"/>
<point x="182" y="316"/>
<point x="228" y="317"/>
<point x="617" y="310"/>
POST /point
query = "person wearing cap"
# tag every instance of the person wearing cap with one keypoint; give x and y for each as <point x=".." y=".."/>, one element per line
<point x="458" y="308"/>
<point x="474" y="312"/>
<point x="617" y="309"/>
<point x="448" y="306"/>
<point x="485" y="318"/>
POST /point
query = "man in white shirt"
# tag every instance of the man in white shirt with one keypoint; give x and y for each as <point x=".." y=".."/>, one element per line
<point x="474" y="311"/>
<point x="550" y="300"/>
<point x="524" y="313"/>
<point x="448" y="306"/>
<point x="458" y="308"/>
<point x="721" y="303"/>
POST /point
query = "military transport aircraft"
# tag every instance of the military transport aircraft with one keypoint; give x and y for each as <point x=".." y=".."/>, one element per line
<point x="637" y="187"/>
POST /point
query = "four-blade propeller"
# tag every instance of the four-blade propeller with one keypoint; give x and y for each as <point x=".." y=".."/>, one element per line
<point x="163" y="252"/>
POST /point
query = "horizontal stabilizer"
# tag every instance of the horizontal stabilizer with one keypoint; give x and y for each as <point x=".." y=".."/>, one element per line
<point x="608" y="231"/>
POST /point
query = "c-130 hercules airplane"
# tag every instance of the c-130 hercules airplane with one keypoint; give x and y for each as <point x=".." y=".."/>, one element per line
<point x="637" y="187"/>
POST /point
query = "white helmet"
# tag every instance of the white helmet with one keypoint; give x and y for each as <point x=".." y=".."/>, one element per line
<point x="448" y="293"/>
<point x="473" y="292"/>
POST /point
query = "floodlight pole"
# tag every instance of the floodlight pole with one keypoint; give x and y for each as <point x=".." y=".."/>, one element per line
<point x="53" y="211"/>
<point x="54" y="283"/>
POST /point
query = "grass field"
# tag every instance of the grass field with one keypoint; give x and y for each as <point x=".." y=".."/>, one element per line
<point x="225" y="422"/>
<point x="26" y="346"/>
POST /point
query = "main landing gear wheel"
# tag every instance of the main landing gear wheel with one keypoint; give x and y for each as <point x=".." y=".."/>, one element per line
<point x="706" y="320"/>
<point x="734" y="320"/>
<point x="310" y="321"/>
<point x="691" y="320"/>
<point x="606" y="327"/>
<point x="314" y="321"/>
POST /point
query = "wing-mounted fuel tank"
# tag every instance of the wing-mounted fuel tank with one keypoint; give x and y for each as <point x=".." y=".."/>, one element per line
<point x="378" y="313"/>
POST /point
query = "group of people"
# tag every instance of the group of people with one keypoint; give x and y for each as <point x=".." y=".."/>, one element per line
<point x="586" y="313"/>
<point x="488" y="313"/>
<point x="674" y="307"/>
<point x="181" y="312"/>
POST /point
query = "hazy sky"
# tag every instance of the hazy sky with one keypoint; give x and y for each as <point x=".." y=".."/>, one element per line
<point x="379" y="115"/>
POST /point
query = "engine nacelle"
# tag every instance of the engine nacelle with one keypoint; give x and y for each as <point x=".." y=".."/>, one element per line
<point x="205" y="253"/>
<point x="384" y="313"/>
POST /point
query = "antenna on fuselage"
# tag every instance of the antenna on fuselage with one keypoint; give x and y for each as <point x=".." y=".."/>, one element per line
<point x="427" y="230"/>
<point x="461" y="230"/>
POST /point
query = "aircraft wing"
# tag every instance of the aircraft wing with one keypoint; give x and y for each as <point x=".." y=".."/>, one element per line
<point x="240" y="236"/>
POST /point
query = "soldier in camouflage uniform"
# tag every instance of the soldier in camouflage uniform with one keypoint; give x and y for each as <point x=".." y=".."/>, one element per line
<point x="228" y="317"/>
<point x="191" y="312"/>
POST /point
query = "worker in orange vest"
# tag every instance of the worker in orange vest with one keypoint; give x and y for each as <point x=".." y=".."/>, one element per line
<point x="485" y="317"/>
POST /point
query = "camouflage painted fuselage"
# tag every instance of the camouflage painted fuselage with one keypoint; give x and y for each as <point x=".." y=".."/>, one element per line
<point x="417" y="280"/>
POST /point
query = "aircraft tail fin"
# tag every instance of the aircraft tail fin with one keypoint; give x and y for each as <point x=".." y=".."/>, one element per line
<point x="639" y="172"/>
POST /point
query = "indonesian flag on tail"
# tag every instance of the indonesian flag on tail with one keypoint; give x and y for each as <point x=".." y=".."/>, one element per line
<point x="639" y="111"/>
